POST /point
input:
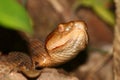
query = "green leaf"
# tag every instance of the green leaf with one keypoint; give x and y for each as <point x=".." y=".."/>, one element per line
<point x="99" y="8"/>
<point x="105" y="14"/>
<point x="14" y="16"/>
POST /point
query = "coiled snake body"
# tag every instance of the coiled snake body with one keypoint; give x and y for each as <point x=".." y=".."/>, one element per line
<point x="63" y="44"/>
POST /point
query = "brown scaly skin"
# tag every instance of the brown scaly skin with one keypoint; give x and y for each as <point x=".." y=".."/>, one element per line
<point x="63" y="44"/>
<point x="17" y="61"/>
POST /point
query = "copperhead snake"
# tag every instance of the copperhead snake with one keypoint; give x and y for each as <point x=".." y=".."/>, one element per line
<point x="61" y="45"/>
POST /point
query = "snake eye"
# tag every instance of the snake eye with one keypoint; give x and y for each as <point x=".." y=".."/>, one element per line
<point x="65" y="27"/>
<point x="68" y="28"/>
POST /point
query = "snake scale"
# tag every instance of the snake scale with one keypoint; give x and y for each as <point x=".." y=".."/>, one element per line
<point x="61" y="45"/>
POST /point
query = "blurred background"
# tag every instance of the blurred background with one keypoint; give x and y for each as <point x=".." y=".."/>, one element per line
<point x="95" y="62"/>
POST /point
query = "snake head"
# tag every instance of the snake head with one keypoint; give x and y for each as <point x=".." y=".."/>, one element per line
<point x="66" y="33"/>
<point x="66" y="41"/>
<point x="61" y="45"/>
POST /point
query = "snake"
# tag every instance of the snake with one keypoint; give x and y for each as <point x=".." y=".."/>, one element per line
<point x="61" y="45"/>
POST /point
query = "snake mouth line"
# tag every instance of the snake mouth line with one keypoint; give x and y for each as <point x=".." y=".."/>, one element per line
<point x="60" y="46"/>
